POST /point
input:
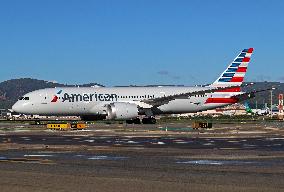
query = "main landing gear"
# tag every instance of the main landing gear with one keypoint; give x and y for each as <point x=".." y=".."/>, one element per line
<point x="149" y="120"/>
<point x="133" y="121"/>
<point x="146" y="120"/>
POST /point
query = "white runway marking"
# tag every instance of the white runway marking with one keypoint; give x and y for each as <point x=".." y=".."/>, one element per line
<point x="38" y="155"/>
<point x="272" y="139"/>
<point x="132" y="142"/>
<point x="208" y="144"/>
<point x="181" y="142"/>
<point x="105" y="157"/>
<point x="233" y="141"/>
<point x="201" y="162"/>
<point x="214" y="162"/>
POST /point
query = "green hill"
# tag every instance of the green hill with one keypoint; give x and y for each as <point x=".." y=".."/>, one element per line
<point x="264" y="97"/>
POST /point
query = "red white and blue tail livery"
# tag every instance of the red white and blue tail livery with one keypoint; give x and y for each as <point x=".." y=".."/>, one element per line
<point x="233" y="76"/>
<point x="235" y="73"/>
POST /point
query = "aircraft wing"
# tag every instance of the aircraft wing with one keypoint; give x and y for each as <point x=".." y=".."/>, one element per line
<point x="250" y="95"/>
<point x="164" y="100"/>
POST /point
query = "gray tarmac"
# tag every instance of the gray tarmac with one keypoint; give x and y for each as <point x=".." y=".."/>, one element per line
<point x="244" y="156"/>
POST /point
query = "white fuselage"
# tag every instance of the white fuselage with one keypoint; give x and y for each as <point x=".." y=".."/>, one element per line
<point x="93" y="100"/>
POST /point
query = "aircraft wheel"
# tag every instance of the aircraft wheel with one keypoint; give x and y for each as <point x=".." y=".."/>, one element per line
<point x="133" y="121"/>
<point x="149" y="120"/>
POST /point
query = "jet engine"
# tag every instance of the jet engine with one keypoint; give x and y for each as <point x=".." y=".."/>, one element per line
<point x="122" y="111"/>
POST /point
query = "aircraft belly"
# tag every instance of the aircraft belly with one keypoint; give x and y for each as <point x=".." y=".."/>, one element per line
<point x="216" y="105"/>
<point x="188" y="106"/>
<point x="181" y="106"/>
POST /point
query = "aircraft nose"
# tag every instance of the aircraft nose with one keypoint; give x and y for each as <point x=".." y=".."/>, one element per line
<point x="17" y="107"/>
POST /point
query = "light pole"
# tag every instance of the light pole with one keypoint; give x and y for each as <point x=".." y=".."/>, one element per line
<point x="271" y="97"/>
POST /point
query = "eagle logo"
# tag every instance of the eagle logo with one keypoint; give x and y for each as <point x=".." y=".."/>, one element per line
<point x="55" y="97"/>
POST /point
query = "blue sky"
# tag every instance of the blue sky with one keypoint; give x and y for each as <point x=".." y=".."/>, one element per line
<point x="123" y="42"/>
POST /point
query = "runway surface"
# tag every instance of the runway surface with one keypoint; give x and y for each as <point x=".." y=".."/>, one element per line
<point x="251" y="159"/>
<point x="256" y="143"/>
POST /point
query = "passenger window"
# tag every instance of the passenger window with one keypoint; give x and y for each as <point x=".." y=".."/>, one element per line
<point x="26" y="98"/>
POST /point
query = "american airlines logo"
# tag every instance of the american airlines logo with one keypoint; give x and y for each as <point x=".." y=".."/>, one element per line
<point x="55" y="97"/>
<point x="86" y="97"/>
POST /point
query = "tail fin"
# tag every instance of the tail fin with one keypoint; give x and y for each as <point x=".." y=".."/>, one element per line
<point x="234" y="74"/>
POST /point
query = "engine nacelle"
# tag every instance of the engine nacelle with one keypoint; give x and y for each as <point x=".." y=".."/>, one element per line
<point x="122" y="111"/>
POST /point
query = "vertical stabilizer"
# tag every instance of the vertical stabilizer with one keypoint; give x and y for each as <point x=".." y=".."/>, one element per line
<point x="235" y="73"/>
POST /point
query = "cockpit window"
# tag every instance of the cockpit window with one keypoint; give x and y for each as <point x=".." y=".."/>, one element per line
<point x="24" y="98"/>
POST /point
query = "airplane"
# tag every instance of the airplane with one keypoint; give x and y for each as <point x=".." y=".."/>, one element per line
<point x="248" y="109"/>
<point x="129" y="103"/>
